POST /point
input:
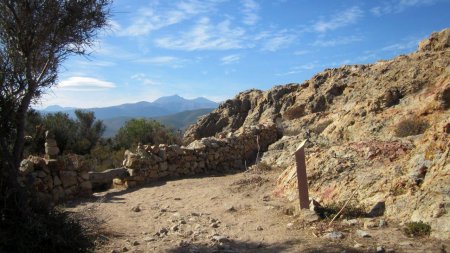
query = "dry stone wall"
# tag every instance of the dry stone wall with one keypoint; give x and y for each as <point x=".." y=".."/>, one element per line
<point x="54" y="180"/>
<point x="208" y="155"/>
<point x="57" y="178"/>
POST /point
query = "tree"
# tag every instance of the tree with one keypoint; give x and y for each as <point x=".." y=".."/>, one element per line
<point x="35" y="37"/>
<point x="88" y="133"/>
<point x="146" y="132"/>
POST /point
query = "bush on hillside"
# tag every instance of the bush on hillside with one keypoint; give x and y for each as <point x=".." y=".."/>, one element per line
<point x="409" y="127"/>
<point x="417" y="229"/>
<point x="145" y="131"/>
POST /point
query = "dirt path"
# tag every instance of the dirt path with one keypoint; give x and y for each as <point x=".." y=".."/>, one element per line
<point x="233" y="213"/>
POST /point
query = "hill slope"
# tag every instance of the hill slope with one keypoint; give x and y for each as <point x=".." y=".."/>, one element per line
<point x="160" y="107"/>
<point x="379" y="129"/>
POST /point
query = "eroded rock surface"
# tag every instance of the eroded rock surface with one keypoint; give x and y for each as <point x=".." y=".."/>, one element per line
<point x="352" y="117"/>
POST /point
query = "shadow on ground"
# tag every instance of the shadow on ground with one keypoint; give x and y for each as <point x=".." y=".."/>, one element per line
<point x="257" y="247"/>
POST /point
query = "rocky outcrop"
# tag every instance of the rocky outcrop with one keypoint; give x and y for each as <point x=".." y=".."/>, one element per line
<point x="381" y="128"/>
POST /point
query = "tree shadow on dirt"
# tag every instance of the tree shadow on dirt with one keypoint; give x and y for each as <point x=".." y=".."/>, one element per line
<point x="258" y="247"/>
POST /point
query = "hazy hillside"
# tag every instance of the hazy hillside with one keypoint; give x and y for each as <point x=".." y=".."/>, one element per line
<point x="160" y="107"/>
<point x="179" y="120"/>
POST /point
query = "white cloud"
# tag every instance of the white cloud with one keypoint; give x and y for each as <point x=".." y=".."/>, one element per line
<point x="337" y="41"/>
<point x="153" y="18"/>
<point x="278" y="41"/>
<point x="79" y="83"/>
<point x="339" y="20"/>
<point x="96" y="63"/>
<point x="170" y="61"/>
<point x="205" y="36"/>
<point x="250" y="10"/>
<point x="230" y="58"/>
<point x="389" y="7"/>
<point x="142" y="78"/>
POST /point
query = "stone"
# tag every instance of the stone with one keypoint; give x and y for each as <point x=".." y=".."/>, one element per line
<point x="380" y="249"/>
<point x="84" y="175"/>
<point x="350" y="222"/>
<point x="362" y="233"/>
<point x="52" y="151"/>
<point x="230" y="209"/>
<point x="259" y="228"/>
<point x="26" y="167"/>
<point x="86" y="185"/>
<point x="58" y="193"/>
<point x="308" y="216"/>
<point x="370" y="223"/>
<point x="334" y="235"/>
<point x="136" y="209"/>
<point x="56" y="181"/>
<point x="358" y="246"/>
<point x="220" y="238"/>
<point x="135" y="243"/>
<point x="68" y="178"/>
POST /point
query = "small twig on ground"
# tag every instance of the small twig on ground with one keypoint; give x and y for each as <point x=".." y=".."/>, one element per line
<point x="345" y="205"/>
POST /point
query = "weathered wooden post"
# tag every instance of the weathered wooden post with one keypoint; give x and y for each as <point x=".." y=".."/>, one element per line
<point x="302" y="180"/>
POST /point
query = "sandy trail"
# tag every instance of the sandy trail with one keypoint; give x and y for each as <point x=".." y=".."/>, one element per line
<point x="231" y="213"/>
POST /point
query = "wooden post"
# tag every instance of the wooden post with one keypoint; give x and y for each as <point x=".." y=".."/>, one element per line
<point x="302" y="180"/>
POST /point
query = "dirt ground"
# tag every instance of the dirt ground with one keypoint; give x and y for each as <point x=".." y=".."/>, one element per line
<point x="227" y="213"/>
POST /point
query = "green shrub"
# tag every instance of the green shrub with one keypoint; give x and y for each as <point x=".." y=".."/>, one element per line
<point x="410" y="127"/>
<point x="351" y="211"/>
<point x="417" y="229"/>
<point x="294" y="112"/>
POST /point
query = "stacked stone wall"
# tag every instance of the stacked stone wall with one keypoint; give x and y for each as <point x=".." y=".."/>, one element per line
<point x="54" y="180"/>
<point x="208" y="155"/>
<point x="58" y="178"/>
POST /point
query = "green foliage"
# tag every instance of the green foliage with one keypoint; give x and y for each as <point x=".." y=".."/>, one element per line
<point x="411" y="126"/>
<point x="89" y="131"/>
<point x="78" y="136"/>
<point x="145" y="131"/>
<point x="351" y="211"/>
<point x="417" y="229"/>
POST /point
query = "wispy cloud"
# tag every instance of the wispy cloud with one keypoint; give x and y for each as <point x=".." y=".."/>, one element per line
<point x="299" y="69"/>
<point x="153" y="18"/>
<point x="230" y="58"/>
<point x="96" y="63"/>
<point x="340" y="19"/>
<point x="79" y="83"/>
<point x="390" y="7"/>
<point x="143" y="79"/>
<point x="250" y="10"/>
<point x="337" y="41"/>
<point x="279" y="40"/>
<point x="407" y="44"/>
<point x="170" y="61"/>
<point x="205" y="36"/>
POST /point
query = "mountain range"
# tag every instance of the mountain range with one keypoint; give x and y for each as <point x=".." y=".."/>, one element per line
<point x="174" y="111"/>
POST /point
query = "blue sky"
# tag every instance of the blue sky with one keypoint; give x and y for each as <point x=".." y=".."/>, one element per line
<point x="218" y="48"/>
